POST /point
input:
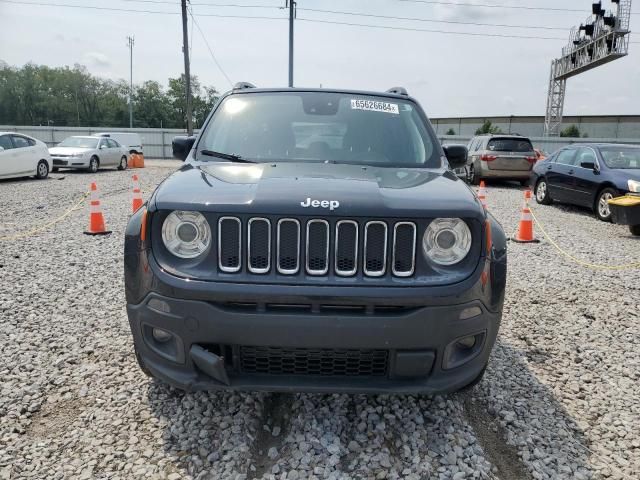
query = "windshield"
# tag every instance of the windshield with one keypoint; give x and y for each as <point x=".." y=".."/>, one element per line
<point x="520" y="145"/>
<point x="621" y="157"/>
<point x="79" y="142"/>
<point x="321" y="127"/>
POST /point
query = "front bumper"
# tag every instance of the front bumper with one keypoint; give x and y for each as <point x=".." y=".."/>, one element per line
<point x="421" y="356"/>
<point x="212" y="323"/>
<point x="70" y="162"/>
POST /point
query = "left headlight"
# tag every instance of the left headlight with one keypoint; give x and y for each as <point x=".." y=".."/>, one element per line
<point x="186" y="234"/>
<point x="634" y="186"/>
<point x="446" y="241"/>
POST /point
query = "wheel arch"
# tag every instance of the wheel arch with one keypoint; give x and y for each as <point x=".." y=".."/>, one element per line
<point x="603" y="185"/>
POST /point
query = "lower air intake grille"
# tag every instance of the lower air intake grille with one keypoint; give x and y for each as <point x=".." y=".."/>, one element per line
<point x="314" y="361"/>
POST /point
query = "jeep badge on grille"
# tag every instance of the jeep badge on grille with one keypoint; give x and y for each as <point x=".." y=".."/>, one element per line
<point x="330" y="204"/>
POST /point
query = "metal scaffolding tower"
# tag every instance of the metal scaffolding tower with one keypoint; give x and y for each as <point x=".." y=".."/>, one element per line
<point x="603" y="37"/>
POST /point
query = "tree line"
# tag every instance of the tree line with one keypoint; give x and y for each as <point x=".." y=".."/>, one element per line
<point x="64" y="96"/>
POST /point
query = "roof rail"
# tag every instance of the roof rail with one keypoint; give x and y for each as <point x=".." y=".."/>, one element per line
<point x="243" y="85"/>
<point x="398" y="91"/>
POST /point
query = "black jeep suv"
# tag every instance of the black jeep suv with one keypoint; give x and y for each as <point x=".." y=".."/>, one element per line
<point x="315" y="240"/>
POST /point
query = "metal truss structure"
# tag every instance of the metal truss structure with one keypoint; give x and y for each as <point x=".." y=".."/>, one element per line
<point x="603" y="37"/>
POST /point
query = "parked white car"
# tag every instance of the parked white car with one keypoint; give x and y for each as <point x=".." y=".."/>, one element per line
<point x="23" y="156"/>
<point x="89" y="153"/>
<point x="131" y="141"/>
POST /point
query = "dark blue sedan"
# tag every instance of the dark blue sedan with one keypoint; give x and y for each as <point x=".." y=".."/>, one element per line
<point x="588" y="175"/>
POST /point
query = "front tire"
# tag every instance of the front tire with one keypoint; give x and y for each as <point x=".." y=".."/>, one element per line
<point x="542" y="192"/>
<point x="123" y="163"/>
<point x="42" y="170"/>
<point x="474" y="179"/>
<point x="94" y="164"/>
<point x="602" y="209"/>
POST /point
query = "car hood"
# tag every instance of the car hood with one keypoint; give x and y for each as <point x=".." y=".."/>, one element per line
<point x="285" y="188"/>
<point x="68" y="150"/>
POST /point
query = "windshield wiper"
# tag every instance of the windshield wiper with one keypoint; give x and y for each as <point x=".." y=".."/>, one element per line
<point x="226" y="156"/>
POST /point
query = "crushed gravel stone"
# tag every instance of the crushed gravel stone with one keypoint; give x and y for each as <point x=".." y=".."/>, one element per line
<point x="560" y="398"/>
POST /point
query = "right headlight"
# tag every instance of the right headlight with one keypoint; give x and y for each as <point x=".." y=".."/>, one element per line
<point x="634" y="186"/>
<point x="186" y="234"/>
<point x="446" y="241"/>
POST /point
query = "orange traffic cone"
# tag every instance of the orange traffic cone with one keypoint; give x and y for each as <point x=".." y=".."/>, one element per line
<point x="482" y="194"/>
<point x="525" y="228"/>
<point x="137" y="194"/>
<point x="96" y="220"/>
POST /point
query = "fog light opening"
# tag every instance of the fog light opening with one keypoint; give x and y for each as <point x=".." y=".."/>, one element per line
<point x="161" y="336"/>
<point x="466" y="343"/>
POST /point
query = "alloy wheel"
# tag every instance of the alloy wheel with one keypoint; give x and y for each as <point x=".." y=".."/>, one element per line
<point x="603" y="205"/>
<point x="541" y="191"/>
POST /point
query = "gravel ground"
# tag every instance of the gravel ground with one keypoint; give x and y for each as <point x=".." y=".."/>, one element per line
<point x="560" y="399"/>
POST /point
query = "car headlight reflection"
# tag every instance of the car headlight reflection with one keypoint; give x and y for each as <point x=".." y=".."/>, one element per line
<point x="186" y="234"/>
<point x="446" y="241"/>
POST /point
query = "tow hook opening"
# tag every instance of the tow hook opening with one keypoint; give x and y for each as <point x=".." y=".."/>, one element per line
<point x="463" y="349"/>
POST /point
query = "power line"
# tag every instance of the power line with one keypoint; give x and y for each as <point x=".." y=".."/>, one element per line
<point x="488" y="5"/>
<point x="215" y="60"/>
<point x="127" y="10"/>
<point x="385" y="27"/>
<point x="170" y="2"/>
<point x="389" y="17"/>
<point x="409" y="29"/>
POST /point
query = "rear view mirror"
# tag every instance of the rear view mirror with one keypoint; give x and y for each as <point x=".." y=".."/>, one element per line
<point x="588" y="165"/>
<point x="456" y="155"/>
<point x="181" y="146"/>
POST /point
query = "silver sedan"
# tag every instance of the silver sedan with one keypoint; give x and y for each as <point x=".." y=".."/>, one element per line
<point x="89" y="153"/>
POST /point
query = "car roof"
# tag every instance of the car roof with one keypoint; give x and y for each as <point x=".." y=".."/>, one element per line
<point x="15" y="133"/>
<point x="603" y="144"/>
<point x="503" y="135"/>
<point x="320" y="90"/>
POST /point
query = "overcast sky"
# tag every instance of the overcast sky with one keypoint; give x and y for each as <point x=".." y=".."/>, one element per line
<point x="451" y="75"/>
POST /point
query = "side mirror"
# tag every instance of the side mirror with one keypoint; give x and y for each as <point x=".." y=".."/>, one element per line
<point x="103" y="146"/>
<point x="181" y="146"/>
<point x="456" y="155"/>
<point x="588" y="165"/>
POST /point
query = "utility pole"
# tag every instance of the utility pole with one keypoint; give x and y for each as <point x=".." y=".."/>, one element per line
<point x="187" y="71"/>
<point x="130" y="42"/>
<point x="292" y="16"/>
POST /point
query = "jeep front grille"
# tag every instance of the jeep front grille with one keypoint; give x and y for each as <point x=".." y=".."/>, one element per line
<point x="317" y="247"/>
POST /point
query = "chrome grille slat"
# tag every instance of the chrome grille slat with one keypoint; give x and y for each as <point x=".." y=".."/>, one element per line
<point x="288" y="249"/>
<point x="404" y="249"/>
<point x="317" y="247"/>
<point x="375" y="253"/>
<point x="346" y="249"/>
<point x="259" y="245"/>
<point x="229" y="256"/>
